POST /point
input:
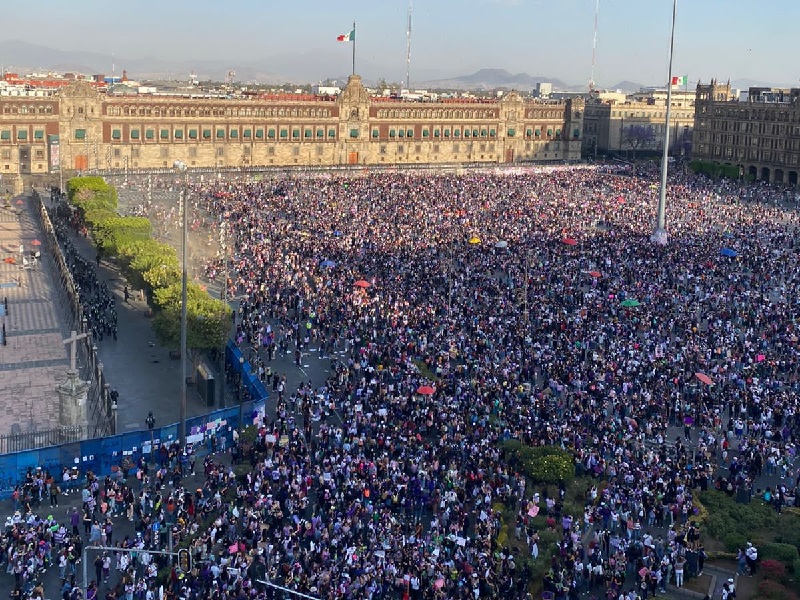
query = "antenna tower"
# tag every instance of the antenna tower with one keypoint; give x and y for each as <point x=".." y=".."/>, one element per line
<point x="594" y="44"/>
<point x="408" y="48"/>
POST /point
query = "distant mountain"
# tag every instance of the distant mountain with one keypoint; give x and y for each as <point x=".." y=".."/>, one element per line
<point x="489" y="79"/>
<point x="627" y="86"/>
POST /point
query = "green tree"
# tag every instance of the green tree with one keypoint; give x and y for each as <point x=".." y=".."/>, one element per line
<point x="207" y="320"/>
<point x="543" y="464"/>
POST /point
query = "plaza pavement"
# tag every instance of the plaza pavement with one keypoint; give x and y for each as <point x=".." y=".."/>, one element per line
<point x="34" y="359"/>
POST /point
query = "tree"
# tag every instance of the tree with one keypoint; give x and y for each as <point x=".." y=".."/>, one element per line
<point x="543" y="464"/>
<point x="207" y="320"/>
<point x="639" y="136"/>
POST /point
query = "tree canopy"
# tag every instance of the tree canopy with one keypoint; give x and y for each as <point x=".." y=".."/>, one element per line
<point x="207" y="320"/>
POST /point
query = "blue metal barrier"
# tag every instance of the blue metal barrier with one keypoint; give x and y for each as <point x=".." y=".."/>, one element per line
<point x="102" y="454"/>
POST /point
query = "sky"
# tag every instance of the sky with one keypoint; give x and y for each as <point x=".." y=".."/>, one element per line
<point x="723" y="39"/>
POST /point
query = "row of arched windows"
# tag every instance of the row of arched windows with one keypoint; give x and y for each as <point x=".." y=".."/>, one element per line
<point x="27" y="109"/>
<point x="436" y="113"/>
<point x="215" y="111"/>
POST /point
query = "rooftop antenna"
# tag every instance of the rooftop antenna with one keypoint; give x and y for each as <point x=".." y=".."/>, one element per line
<point x="594" y="45"/>
<point x="408" y="47"/>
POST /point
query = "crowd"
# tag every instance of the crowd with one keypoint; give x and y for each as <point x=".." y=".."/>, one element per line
<point x="535" y="307"/>
<point x="97" y="302"/>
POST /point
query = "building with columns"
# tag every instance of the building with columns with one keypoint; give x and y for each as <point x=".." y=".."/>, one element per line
<point x="760" y="134"/>
<point x="78" y="129"/>
<point x="632" y="125"/>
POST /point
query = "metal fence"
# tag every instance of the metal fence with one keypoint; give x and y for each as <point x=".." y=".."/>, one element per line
<point x="103" y="456"/>
<point x="89" y="366"/>
<point x="18" y="442"/>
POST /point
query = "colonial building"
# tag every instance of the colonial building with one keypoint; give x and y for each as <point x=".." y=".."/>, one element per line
<point x="633" y="125"/>
<point x="79" y="128"/>
<point x="760" y="135"/>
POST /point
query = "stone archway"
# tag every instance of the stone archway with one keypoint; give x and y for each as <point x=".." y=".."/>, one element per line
<point x="765" y="174"/>
<point x="793" y="178"/>
<point x="752" y="172"/>
<point x="777" y="176"/>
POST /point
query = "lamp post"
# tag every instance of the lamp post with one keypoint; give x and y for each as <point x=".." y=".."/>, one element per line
<point x="114" y="408"/>
<point x="241" y="392"/>
<point x="181" y="168"/>
<point x="660" y="233"/>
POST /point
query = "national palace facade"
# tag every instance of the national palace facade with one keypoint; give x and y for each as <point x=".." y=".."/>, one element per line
<point x="81" y="129"/>
<point x="760" y="135"/>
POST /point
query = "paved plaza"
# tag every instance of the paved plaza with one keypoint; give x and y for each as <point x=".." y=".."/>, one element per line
<point x="34" y="359"/>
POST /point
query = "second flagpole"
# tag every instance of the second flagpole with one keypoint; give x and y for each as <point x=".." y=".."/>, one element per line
<point x="354" y="47"/>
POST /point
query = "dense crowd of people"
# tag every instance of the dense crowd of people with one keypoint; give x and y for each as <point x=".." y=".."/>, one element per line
<point x="459" y="311"/>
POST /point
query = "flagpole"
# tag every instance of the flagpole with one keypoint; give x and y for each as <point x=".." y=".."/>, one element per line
<point x="660" y="234"/>
<point x="354" y="47"/>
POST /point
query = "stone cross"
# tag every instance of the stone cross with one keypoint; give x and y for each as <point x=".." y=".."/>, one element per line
<point x="73" y="339"/>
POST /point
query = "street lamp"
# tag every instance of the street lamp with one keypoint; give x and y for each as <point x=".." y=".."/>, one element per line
<point x="241" y="393"/>
<point x="114" y="408"/>
<point x="660" y="233"/>
<point x="181" y="168"/>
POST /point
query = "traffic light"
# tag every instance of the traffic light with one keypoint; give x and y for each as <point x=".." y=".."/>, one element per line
<point x="184" y="560"/>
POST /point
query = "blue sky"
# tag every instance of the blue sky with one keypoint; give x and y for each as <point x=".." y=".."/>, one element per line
<point x="714" y="38"/>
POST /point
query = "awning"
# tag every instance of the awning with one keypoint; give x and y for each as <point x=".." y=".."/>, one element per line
<point x="116" y="134"/>
<point x="234" y="134"/>
<point x="206" y="133"/>
<point x="149" y="134"/>
<point x="375" y="133"/>
<point x="179" y="134"/>
<point x="410" y="133"/>
<point x="22" y="134"/>
<point x="193" y="134"/>
<point x="320" y="133"/>
<point x="511" y="133"/>
<point x="5" y="135"/>
<point x="164" y="134"/>
<point x="38" y="134"/>
<point x="284" y="133"/>
<point x="392" y="133"/>
<point x="435" y="133"/>
<point x="331" y="133"/>
<point x="308" y="133"/>
<point x="354" y="133"/>
<point x="295" y="133"/>
<point x="425" y="133"/>
<point x="220" y="134"/>
<point x="80" y="134"/>
<point x="247" y="133"/>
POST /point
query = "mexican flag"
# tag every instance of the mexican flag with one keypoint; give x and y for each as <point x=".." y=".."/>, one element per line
<point x="680" y="80"/>
<point x="347" y="37"/>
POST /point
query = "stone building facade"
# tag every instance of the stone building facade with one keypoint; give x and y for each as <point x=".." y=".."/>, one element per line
<point x="634" y="125"/>
<point x="760" y="135"/>
<point x="80" y="129"/>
